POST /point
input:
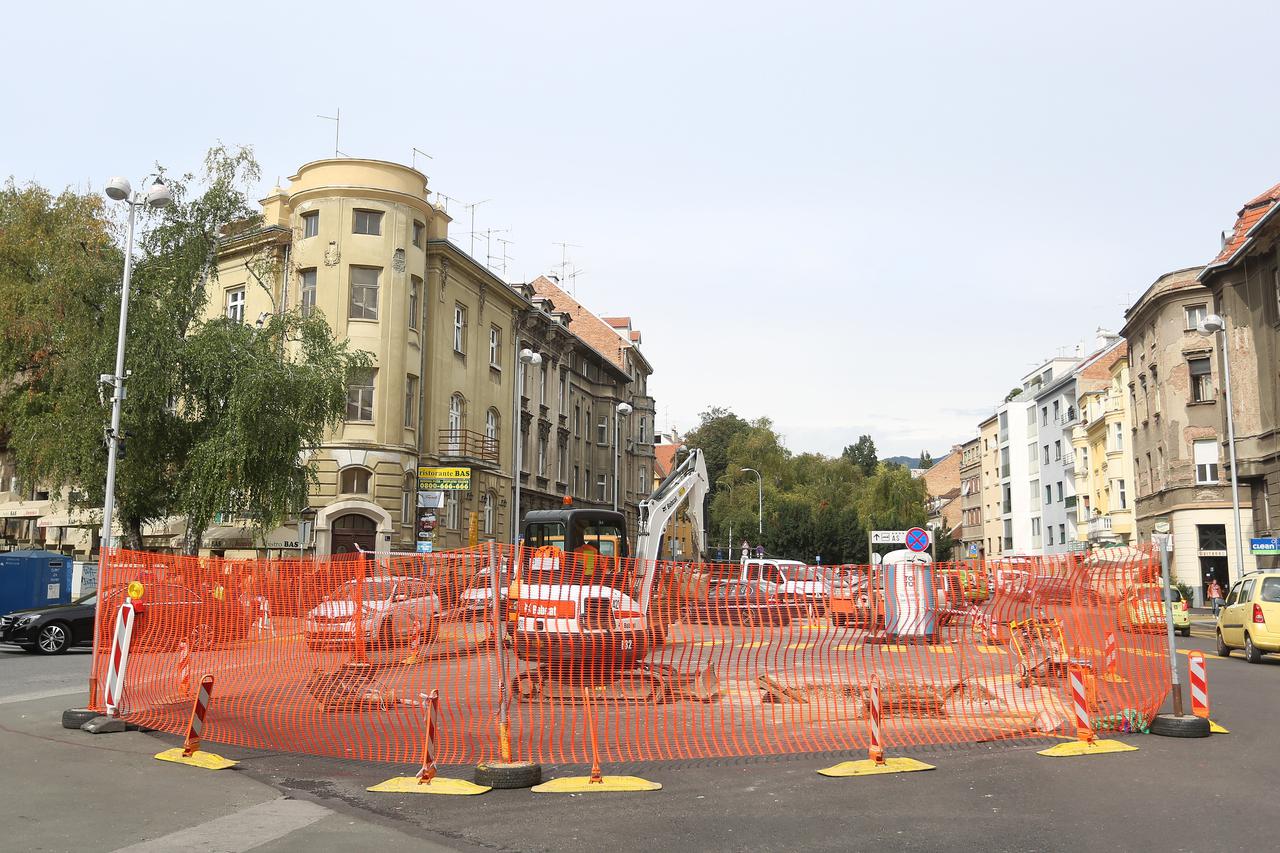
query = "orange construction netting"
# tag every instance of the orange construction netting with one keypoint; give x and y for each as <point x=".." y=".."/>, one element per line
<point x="333" y="656"/>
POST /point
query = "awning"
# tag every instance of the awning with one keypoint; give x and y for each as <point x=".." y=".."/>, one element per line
<point x="167" y="527"/>
<point x="24" y="509"/>
<point x="281" y="538"/>
<point x="72" y="518"/>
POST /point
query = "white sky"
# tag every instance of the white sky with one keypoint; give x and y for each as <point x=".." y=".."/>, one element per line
<point x="849" y="217"/>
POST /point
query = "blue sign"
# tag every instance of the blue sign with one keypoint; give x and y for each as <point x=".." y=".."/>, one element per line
<point x="973" y="549"/>
<point x="424" y="546"/>
<point x="918" y="539"/>
<point x="1265" y="545"/>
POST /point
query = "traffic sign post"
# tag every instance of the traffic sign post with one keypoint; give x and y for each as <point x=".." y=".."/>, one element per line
<point x="917" y="539"/>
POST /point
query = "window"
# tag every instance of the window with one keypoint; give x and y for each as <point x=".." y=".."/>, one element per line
<point x="576" y="471"/>
<point x="602" y="488"/>
<point x="354" y="481"/>
<point x="1046" y="454"/>
<point x="407" y="502"/>
<point x="1201" y="379"/>
<point x="310" y="224"/>
<point x="411" y="402"/>
<point x="1057" y="451"/>
<point x="1195" y="316"/>
<point x="235" y="304"/>
<point x="415" y="288"/>
<point x="561" y="460"/>
<point x="307" y="279"/>
<point x="1059" y="491"/>
<point x="644" y="433"/>
<point x="1205" y="454"/>
<point x="1044" y="415"/>
<point x="1117" y="438"/>
<point x="486" y="513"/>
<point x="542" y="456"/>
<point x="360" y="397"/>
<point x="1048" y="495"/>
<point x="1055" y="410"/>
<point x="366" y="222"/>
<point x="1122" y="500"/>
<point x="459" y="328"/>
<point x="644" y="479"/>
<point x="602" y="431"/>
<point x="451" y="510"/>
<point x="495" y="346"/>
<point x="455" y="420"/>
<point x="562" y="391"/>
<point x="577" y="419"/>
<point x="418" y="231"/>
<point x="1048" y="531"/>
<point x="1062" y="533"/>
<point x="364" y="293"/>
<point x="542" y="384"/>
<point x="491" y="431"/>
<point x="1033" y="456"/>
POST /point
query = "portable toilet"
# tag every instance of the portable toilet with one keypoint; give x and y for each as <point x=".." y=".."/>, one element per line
<point x="910" y="606"/>
<point x="33" y="579"/>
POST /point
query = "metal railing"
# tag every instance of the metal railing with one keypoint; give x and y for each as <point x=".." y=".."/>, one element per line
<point x="1100" y="525"/>
<point x="467" y="444"/>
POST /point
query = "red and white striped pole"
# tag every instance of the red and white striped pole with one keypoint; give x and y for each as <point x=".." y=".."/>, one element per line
<point x="1199" y="684"/>
<point x="184" y="668"/>
<point x="120" y="638"/>
<point x="428" y="771"/>
<point x="876" y="749"/>
<point x="1084" y="725"/>
<point x="198" y="711"/>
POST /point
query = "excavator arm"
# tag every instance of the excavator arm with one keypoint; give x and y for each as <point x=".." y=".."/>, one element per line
<point x="686" y="487"/>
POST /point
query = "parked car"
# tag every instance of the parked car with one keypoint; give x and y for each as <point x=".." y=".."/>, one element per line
<point x="51" y="630"/>
<point x="170" y="612"/>
<point x="1250" y="617"/>
<point x="389" y="611"/>
<point x="740" y="603"/>
<point x="855" y="600"/>
<point x="1140" y="609"/>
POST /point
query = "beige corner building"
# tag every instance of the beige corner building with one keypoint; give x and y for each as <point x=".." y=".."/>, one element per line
<point x="991" y="491"/>
<point x="361" y="242"/>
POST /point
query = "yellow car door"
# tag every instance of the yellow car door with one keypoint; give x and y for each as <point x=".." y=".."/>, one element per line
<point x="1231" y="621"/>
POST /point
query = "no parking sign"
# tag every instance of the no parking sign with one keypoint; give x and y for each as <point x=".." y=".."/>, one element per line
<point x="918" y="539"/>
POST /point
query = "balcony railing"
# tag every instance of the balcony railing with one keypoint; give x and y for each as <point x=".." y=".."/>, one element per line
<point x="466" y="444"/>
<point x="1099" y="526"/>
<point x="1067" y="417"/>
<point x="1070" y="502"/>
<point x="1069" y="459"/>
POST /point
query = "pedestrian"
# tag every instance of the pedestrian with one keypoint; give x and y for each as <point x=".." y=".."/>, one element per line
<point x="1215" y="595"/>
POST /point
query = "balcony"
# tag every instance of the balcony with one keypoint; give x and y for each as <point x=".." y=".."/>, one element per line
<point x="1069" y="502"/>
<point x="466" y="446"/>
<point x="1069" y="460"/>
<point x="1068" y="417"/>
<point x="1100" y="527"/>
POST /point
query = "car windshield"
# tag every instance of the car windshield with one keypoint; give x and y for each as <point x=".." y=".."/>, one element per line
<point x="373" y="590"/>
<point x="805" y="573"/>
<point x="91" y="598"/>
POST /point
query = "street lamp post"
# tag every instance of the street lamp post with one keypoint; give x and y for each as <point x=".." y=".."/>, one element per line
<point x="760" y="500"/>
<point x="1210" y="326"/>
<point x="527" y="356"/>
<point x="620" y="412"/>
<point x="730" y="542"/>
<point x="156" y="196"/>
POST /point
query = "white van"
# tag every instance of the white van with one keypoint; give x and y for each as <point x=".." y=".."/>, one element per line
<point x="790" y="580"/>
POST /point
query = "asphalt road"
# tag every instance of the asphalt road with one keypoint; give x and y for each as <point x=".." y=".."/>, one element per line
<point x="1211" y="794"/>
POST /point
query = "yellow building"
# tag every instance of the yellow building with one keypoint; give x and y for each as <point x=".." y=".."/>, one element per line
<point x="1103" y="455"/>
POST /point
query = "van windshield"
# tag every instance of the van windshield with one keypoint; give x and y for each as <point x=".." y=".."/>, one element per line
<point x="805" y="573"/>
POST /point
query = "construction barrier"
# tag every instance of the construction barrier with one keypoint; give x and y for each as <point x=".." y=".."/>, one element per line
<point x="1199" y="684"/>
<point x="330" y="656"/>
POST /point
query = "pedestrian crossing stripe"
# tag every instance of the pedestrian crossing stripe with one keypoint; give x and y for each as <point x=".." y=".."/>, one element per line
<point x="848" y="648"/>
<point x="800" y="645"/>
<point x="709" y="643"/>
<point x="754" y="644"/>
<point x="894" y="648"/>
<point x="817" y="627"/>
<point x="942" y="650"/>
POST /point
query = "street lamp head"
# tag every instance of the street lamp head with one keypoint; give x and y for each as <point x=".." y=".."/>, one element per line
<point x="118" y="189"/>
<point x="159" y="195"/>
<point x="624" y="409"/>
<point x="1211" y="325"/>
<point x="528" y="356"/>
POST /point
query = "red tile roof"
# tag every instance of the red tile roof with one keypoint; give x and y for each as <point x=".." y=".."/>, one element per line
<point x="595" y="331"/>
<point x="1248" y="216"/>
<point x="664" y="458"/>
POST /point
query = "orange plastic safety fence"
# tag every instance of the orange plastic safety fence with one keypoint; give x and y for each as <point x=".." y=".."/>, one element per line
<point x="334" y="656"/>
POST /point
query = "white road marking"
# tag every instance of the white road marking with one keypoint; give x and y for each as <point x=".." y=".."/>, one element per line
<point x="238" y="832"/>
<point x="44" y="694"/>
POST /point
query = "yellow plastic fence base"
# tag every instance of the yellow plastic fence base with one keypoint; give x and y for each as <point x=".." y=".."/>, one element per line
<point x="199" y="758"/>
<point x="1083" y="747"/>
<point x="1216" y="729"/>
<point x="606" y="785"/>
<point x="438" y="785"/>
<point x="1112" y="678"/>
<point x="867" y="767"/>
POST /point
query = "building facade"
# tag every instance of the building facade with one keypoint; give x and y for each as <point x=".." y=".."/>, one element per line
<point x="1054" y="486"/>
<point x="1244" y="281"/>
<point x="1178" y="436"/>
<point x="992" y="492"/>
<point x="972" y="545"/>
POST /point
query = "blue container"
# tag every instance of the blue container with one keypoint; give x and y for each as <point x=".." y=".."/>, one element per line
<point x="33" y="579"/>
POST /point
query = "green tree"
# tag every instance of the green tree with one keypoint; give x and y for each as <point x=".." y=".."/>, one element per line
<point x="1013" y="393"/>
<point x="893" y="500"/>
<point x="219" y="416"/>
<point x="717" y="428"/>
<point x="926" y="460"/>
<point x="863" y="454"/>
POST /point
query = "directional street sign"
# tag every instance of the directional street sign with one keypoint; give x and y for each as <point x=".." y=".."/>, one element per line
<point x="888" y="537"/>
<point x="917" y="539"/>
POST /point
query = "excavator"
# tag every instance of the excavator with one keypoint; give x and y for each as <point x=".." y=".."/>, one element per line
<point x="587" y="609"/>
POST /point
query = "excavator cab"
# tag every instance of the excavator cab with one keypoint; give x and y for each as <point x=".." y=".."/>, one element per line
<point x="594" y="540"/>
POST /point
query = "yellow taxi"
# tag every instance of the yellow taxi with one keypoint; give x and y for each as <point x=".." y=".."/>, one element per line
<point x="1139" y="609"/>
<point x="1250" y="617"/>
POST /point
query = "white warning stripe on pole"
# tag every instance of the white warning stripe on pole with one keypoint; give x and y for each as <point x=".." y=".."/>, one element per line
<point x="1084" y="726"/>
<point x="119" y="660"/>
<point x="876" y="750"/>
<point x="198" y="712"/>
<point x="1110" y="653"/>
<point x="1199" y="684"/>
<point x="184" y="667"/>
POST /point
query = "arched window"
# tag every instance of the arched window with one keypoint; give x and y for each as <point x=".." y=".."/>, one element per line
<point x="491" y="432"/>
<point x="408" y="504"/>
<point x="487" y="508"/>
<point x="354" y="481"/>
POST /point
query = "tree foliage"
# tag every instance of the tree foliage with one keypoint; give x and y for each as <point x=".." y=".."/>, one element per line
<point x="219" y="416"/>
<point x="813" y="505"/>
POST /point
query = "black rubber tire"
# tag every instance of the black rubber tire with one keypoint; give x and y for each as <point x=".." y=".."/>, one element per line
<point x="58" y="641"/>
<point x="1186" y="632"/>
<point x="1224" y="651"/>
<point x="517" y="774"/>
<point x="74" y="718"/>
<point x="1169" y="725"/>
<point x="1251" y="653"/>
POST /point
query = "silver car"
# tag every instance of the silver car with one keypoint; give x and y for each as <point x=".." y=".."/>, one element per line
<point x="389" y="610"/>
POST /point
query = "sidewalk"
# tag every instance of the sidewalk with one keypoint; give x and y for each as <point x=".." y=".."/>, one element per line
<point x="68" y="790"/>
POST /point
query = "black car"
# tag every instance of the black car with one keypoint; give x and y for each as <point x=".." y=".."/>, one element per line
<point x="51" y="630"/>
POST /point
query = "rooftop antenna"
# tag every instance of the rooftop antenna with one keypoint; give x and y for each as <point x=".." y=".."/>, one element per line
<point x="573" y="280"/>
<point x="447" y="199"/>
<point x="337" y="128"/>
<point x="505" y="258"/>
<point x="488" y="244"/>
<point x="414" y="157"/>
<point x="472" y="207"/>
<point x="564" y="256"/>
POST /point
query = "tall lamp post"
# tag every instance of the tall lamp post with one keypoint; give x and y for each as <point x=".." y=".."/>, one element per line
<point x="760" y="500"/>
<point x="730" y="487"/>
<point x="527" y="356"/>
<point x="156" y="196"/>
<point x="1210" y="326"/>
<point x="620" y="412"/>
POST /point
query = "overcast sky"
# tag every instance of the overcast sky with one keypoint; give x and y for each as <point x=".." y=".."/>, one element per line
<point x="847" y="217"/>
